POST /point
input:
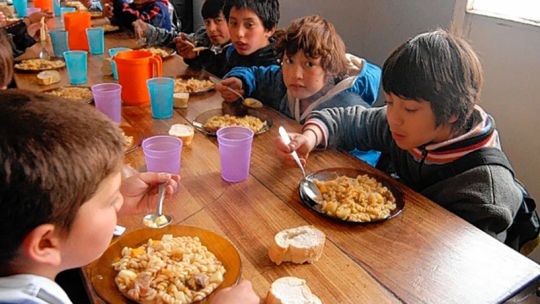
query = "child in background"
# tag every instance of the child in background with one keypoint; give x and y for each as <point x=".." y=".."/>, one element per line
<point x="431" y="119"/>
<point x="315" y="73"/>
<point x="154" y="12"/>
<point x="252" y="24"/>
<point x="6" y="61"/>
<point x="23" y="33"/>
<point x="59" y="208"/>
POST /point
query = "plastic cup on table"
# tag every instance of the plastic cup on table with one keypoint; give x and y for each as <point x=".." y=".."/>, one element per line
<point x="108" y="100"/>
<point x="21" y="7"/>
<point x="162" y="153"/>
<point x="64" y="10"/>
<point x="112" y="53"/>
<point x="59" y="39"/>
<point x="56" y="6"/>
<point x="44" y="5"/>
<point x="235" y="152"/>
<point x="32" y="10"/>
<point x="161" y="91"/>
<point x="77" y="66"/>
<point x="96" y="40"/>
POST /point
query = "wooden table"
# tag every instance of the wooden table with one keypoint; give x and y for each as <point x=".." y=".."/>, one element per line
<point x="424" y="255"/>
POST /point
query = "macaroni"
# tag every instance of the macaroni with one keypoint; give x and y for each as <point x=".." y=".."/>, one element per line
<point x="216" y="122"/>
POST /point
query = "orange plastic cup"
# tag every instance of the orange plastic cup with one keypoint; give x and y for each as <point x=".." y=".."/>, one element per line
<point x="76" y="24"/>
<point x="134" y="68"/>
<point x="45" y="5"/>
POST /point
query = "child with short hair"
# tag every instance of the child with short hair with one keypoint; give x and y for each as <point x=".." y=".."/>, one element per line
<point x="154" y="12"/>
<point x="60" y="192"/>
<point x="315" y="73"/>
<point x="431" y="119"/>
<point x="252" y="24"/>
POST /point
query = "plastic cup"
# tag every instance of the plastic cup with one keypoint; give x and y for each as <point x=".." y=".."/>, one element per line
<point x="235" y="152"/>
<point x="59" y="39"/>
<point x="77" y="66"/>
<point x="96" y="40"/>
<point x="112" y="53"/>
<point x="161" y="96"/>
<point x="32" y="10"/>
<point x="56" y="7"/>
<point x="108" y="100"/>
<point x="44" y="5"/>
<point x="21" y="6"/>
<point x="64" y="10"/>
<point x="162" y="153"/>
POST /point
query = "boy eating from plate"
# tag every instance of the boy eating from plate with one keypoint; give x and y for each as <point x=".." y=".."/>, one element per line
<point x="61" y="189"/>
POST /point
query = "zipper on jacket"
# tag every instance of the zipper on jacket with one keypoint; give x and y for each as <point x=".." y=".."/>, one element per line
<point x="424" y="156"/>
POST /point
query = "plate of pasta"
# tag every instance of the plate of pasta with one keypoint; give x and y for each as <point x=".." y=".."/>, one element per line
<point x="175" y="264"/>
<point x="210" y="121"/>
<point x="352" y="195"/>
<point x="192" y="85"/>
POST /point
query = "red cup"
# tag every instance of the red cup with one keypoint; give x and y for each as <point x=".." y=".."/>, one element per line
<point x="76" y="24"/>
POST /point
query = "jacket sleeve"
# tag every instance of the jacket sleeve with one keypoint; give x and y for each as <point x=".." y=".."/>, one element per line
<point x="263" y="83"/>
<point x="368" y="82"/>
<point x="20" y="40"/>
<point x="354" y="127"/>
<point x="159" y="36"/>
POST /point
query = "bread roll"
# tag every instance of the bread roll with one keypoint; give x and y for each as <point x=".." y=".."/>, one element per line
<point x="48" y="77"/>
<point x="291" y="290"/>
<point x="298" y="245"/>
<point x="181" y="100"/>
<point x="184" y="132"/>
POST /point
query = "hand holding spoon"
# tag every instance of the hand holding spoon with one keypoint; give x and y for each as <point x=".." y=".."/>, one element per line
<point x="158" y="220"/>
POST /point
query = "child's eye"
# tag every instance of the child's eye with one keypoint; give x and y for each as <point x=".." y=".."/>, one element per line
<point x="232" y="23"/>
<point x="250" y="25"/>
<point x="410" y="110"/>
<point x="309" y="64"/>
<point x="288" y="61"/>
<point x="218" y="20"/>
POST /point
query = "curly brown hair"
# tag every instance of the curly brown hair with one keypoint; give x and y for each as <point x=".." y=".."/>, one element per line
<point x="6" y="60"/>
<point x="317" y="38"/>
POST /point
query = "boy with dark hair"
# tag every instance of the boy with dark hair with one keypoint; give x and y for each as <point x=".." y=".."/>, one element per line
<point x="60" y="192"/>
<point x="431" y="120"/>
<point x="252" y="24"/>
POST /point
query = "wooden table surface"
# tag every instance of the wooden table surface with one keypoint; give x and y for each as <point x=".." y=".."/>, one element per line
<point x="424" y="255"/>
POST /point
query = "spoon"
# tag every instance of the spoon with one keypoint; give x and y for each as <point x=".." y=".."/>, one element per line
<point x="307" y="183"/>
<point x="43" y="54"/>
<point x="158" y="220"/>
<point x="248" y="102"/>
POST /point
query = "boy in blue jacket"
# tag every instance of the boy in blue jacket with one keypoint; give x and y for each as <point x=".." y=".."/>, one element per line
<point x="316" y="73"/>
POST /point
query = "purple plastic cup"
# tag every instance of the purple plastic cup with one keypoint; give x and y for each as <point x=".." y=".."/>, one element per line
<point x="108" y="99"/>
<point x="162" y="153"/>
<point x="235" y="152"/>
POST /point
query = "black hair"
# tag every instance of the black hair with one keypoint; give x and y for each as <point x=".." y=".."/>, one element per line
<point x="440" y="68"/>
<point x="266" y="10"/>
<point x="212" y="8"/>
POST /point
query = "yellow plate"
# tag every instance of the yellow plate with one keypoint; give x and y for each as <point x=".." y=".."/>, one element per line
<point x="102" y="273"/>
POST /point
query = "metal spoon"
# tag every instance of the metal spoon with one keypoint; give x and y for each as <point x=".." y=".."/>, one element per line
<point x="43" y="54"/>
<point x="158" y="220"/>
<point x="307" y="183"/>
<point x="248" y="102"/>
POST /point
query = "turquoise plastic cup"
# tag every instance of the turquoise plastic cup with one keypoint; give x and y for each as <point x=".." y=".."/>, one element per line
<point x="59" y="39"/>
<point x="112" y="53"/>
<point x="56" y="7"/>
<point x="161" y="96"/>
<point x="77" y="66"/>
<point x="96" y="40"/>
<point x="21" y="7"/>
<point x="64" y="10"/>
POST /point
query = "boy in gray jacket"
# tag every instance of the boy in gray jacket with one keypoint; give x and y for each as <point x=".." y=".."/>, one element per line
<point x="432" y="84"/>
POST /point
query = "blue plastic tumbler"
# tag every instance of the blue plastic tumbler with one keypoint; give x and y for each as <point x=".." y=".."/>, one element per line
<point x="161" y="96"/>
<point x="112" y="53"/>
<point x="96" y="40"/>
<point x="21" y="6"/>
<point x="77" y="66"/>
<point x="59" y="39"/>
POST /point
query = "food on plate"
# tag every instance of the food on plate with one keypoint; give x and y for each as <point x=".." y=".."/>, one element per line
<point x="157" y="51"/>
<point x="48" y="77"/>
<point x="109" y="28"/>
<point x="76" y="4"/>
<point x="291" y="290"/>
<point x="248" y="121"/>
<point x="39" y="64"/>
<point x="73" y="93"/>
<point x="184" y="132"/>
<point x="96" y="14"/>
<point x="360" y="199"/>
<point x="180" y="100"/>
<point x="128" y="140"/>
<point x="299" y="245"/>
<point x="192" y="85"/>
<point x="170" y="270"/>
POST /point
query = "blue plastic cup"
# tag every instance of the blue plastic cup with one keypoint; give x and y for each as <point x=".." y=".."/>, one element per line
<point x="59" y="39"/>
<point x="56" y="7"/>
<point x="96" y="40"/>
<point x="64" y="10"/>
<point x="112" y="53"/>
<point x="77" y="66"/>
<point x="161" y="97"/>
<point x="21" y="6"/>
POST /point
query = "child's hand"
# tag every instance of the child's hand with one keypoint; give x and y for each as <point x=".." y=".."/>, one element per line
<point x="3" y="19"/>
<point x="139" y="27"/>
<point x="185" y="47"/>
<point x="35" y="18"/>
<point x="241" y="293"/>
<point x="225" y="86"/>
<point x="87" y="3"/>
<point x="108" y="10"/>
<point x="140" y="191"/>
<point x="300" y="143"/>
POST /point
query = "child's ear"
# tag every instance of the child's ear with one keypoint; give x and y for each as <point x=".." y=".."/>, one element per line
<point x="452" y="119"/>
<point x="269" y="33"/>
<point x="42" y="245"/>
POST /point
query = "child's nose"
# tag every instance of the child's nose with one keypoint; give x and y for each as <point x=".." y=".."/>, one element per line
<point x="241" y="31"/>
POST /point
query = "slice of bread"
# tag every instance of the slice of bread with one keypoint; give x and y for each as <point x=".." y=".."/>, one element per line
<point x="291" y="290"/>
<point x="184" y="132"/>
<point x="298" y="245"/>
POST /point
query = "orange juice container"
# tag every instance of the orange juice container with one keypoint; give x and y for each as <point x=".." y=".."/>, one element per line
<point x="45" y="5"/>
<point x="134" y="68"/>
<point x="76" y="24"/>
